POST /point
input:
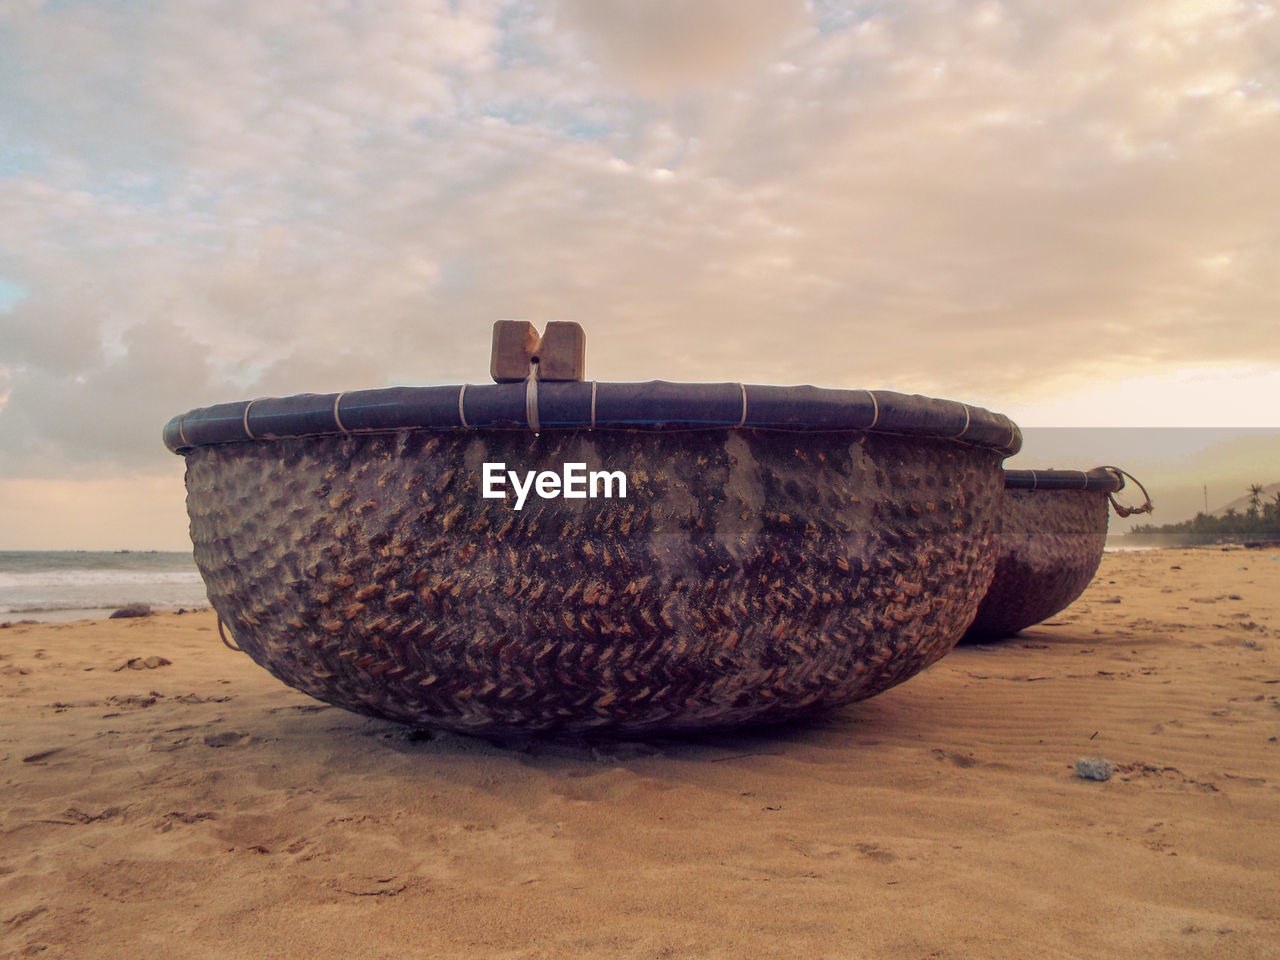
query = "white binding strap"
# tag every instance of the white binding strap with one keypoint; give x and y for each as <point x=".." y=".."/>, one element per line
<point x="743" y="419"/>
<point x="462" y="413"/>
<point x="336" y="418"/>
<point x="964" y="429"/>
<point x="593" y="405"/>
<point x="182" y="433"/>
<point x="1035" y="479"/>
<point x="531" y="399"/>
<point x="245" y="420"/>
<point x="875" y="410"/>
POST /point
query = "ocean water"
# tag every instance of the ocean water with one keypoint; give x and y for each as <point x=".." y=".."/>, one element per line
<point x="84" y="584"/>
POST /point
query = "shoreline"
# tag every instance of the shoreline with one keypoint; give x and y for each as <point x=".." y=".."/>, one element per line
<point x="79" y="615"/>
<point x="90" y="614"/>
<point x="64" y="585"/>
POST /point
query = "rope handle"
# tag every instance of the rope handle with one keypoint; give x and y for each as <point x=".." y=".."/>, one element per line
<point x="1121" y="510"/>
<point x="222" y="633"/>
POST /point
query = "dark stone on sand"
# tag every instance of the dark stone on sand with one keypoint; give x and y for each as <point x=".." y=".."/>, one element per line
<point x="131" y="610"/>
<point x="1093" y="768"/>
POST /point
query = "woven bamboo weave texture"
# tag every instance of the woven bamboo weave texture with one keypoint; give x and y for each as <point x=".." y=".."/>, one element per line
<point x="747" y="576"/>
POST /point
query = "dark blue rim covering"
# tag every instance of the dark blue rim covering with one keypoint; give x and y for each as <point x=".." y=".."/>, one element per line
<point x="1099" y="479"/>
<point x="553" y="405"/>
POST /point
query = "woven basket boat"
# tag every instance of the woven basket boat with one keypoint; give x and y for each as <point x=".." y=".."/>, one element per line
<point x="1052" y="530"/>
<point x="779" y="550"/>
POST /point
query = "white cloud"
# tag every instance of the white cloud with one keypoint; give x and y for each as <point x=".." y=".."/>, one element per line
<point x="663" y="47"/>
<point x="968" y="199"/>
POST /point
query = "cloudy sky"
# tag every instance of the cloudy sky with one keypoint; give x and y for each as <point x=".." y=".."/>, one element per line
<point x="1069" y="213"/>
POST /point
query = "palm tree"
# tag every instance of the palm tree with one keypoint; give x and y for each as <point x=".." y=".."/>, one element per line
<point x="1255" y="498"/>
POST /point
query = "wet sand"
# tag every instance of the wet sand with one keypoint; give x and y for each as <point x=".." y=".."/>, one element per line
<point x="199" y="808"/>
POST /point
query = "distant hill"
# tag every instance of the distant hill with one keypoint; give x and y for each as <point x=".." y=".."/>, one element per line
<point x="1241" y="504"/>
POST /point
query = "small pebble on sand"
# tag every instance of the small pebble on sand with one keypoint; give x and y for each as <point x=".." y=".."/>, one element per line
<point x="1093" y="768"/>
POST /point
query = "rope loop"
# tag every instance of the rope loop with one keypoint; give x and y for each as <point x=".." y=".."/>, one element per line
<point x="222" y="633"/>
<point x="1121" y="510"/>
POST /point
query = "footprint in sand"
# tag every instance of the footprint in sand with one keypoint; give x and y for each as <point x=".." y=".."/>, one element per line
<point x="357" y="885"/>
<point x="593" y="785"/>
<point x="142" y="663"/>
<point x="228" y="739"/>
<point x="181" y="817"/>
<point x="42" y="756"/>
<point x="876" y="852"/>
<point x="80" y="816"/>
<point x="959" y="759"/>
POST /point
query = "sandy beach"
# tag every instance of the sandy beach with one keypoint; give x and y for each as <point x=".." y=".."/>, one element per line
<point x="165" y="796"/>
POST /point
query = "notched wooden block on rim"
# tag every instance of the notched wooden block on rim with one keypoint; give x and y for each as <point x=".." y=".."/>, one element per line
<point x="515" y="343"/>
<point x="561" y="351"/>
<point x="562" y="355"/>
